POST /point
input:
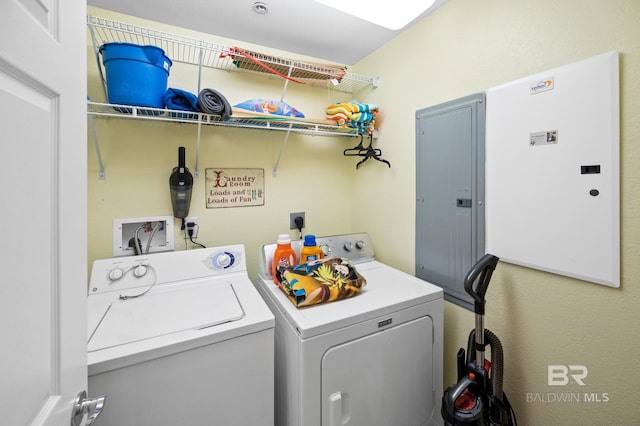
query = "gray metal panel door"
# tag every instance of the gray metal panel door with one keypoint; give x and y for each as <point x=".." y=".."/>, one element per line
<point x="450" y="193"/>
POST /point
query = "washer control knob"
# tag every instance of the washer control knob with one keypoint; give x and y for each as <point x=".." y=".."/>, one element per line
<point x="326" y="249"/>
<point x="140" y="271"/>
<point x="360" y="245"/>
<point x="223" y="260"/>
<point x="348" y="246"/>
<point x="115" y="274"/>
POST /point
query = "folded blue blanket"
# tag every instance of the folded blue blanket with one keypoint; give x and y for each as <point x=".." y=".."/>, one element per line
<point x="181" y="100"/>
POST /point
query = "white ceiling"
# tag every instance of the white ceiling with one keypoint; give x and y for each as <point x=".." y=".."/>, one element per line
<point x="299" y="26"/>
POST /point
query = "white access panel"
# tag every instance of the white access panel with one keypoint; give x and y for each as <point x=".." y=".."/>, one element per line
<point x="552" y="171"/>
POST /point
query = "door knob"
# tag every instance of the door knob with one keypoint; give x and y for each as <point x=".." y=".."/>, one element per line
<point x="90" y="407"/>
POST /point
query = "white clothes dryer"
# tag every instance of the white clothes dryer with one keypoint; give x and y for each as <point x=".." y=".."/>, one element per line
<point x="371" y="360"/>
<point x="180" y="338"/>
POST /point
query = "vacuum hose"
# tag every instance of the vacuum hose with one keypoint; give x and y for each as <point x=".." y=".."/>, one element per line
<point x="497" y="365"/>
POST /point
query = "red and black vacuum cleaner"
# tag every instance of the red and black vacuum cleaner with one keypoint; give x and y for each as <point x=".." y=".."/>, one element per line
<point x="477" y="399"/>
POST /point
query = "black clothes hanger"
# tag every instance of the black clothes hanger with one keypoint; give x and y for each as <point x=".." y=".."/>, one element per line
<point x="367" y="152"/>
<point x="356" y="150"/>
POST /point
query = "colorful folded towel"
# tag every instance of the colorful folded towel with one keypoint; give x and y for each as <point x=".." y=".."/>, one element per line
<point x="321" y="281"/>
<point x="355" y="115"/>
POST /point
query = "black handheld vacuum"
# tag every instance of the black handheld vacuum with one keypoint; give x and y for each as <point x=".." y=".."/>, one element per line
<point x="478" y="399"/>
<point x="180" y="186"/>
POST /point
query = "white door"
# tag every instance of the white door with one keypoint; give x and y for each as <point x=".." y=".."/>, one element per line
<point x="43" y="210"/>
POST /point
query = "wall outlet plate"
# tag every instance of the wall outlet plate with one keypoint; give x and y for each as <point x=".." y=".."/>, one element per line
<point x="292" y="220"/>
<point x="196" y="227"/>
<point x="124" y="231"/>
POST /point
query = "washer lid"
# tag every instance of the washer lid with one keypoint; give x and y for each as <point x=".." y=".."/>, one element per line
<point x="165" y="311"/>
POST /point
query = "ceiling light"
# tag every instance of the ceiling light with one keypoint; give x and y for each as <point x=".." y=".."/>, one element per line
<point x="393" y="15"/>
<point x="260" y="7"/>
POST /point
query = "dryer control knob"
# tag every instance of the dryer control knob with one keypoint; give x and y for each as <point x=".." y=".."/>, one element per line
<point x="115" y="274"/>
<point x="348" y="246"/>
<point x="360" y="244"/>
<point x="140" y="271"/>
<point x="326" y="249"/>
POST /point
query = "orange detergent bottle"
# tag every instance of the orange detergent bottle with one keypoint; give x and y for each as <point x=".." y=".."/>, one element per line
<point x="310" y="250"/>
<point x="283" y="256"/>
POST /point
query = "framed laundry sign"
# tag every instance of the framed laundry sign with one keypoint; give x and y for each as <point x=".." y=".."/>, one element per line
<point x="234" y="187"/>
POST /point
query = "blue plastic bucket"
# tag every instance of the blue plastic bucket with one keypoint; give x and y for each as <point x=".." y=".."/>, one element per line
<point x="136" y="75"/>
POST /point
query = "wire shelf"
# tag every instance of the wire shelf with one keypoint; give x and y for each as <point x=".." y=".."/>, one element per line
<point x="276" y="123"/>
<point x="235" y="59"/>
<point x="210" y="55"/>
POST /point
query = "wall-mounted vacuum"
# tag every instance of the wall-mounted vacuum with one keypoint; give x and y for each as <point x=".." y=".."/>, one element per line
<point x="180" y="186"/>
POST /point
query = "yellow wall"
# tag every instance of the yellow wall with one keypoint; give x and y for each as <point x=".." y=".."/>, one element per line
<point x="464" y="47"/>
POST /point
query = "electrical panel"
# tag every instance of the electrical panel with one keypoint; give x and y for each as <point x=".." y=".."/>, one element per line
<point x="153" y="235"/>
<point x="450" y="193"/>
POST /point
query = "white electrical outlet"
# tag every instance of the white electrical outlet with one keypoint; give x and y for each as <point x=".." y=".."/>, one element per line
<point x="191" y="223"/>
<point x="155" y="234"/>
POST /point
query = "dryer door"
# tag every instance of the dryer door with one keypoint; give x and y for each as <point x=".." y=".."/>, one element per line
<point x="382" y="379"/>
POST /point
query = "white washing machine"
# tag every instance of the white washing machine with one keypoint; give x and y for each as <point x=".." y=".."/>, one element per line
<point x="371" y="360"/>
<point x="180" y="338"/>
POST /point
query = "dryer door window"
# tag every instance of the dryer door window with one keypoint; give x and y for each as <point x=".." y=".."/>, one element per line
<point x="382" y="379"/>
